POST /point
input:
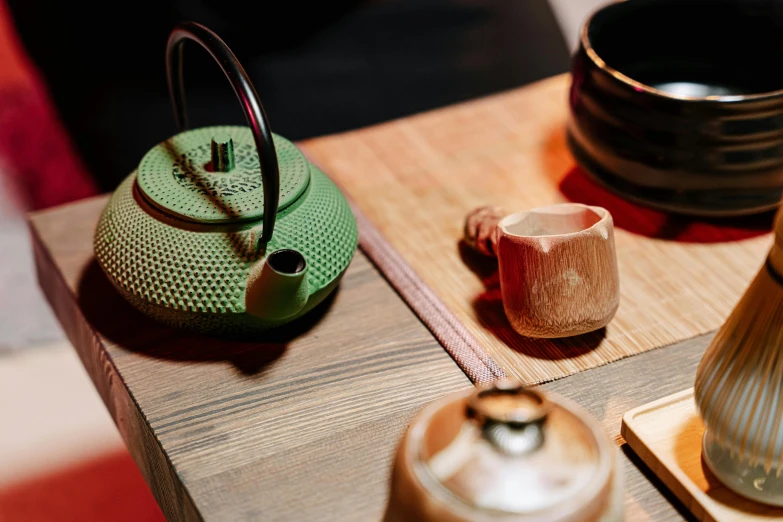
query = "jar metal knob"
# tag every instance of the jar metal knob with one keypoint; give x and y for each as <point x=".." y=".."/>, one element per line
<point x="511" y="416"/>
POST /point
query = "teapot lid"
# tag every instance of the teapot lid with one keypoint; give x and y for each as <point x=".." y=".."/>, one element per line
<point x="510" y="450"/>
<point x="213" y="175"/>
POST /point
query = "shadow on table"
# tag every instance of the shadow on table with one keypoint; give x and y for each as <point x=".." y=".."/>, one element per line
<point x="488" y="306"/>
<point x="655" y="481"/>
<point x="689" y="460"/>
<point x="119" y="323"/>
<point x="578" y="187"/>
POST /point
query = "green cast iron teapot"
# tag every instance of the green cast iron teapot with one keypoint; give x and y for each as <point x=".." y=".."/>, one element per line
<point x="225" y="230"/>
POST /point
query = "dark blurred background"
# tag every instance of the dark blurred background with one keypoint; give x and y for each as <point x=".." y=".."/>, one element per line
<point x="319" y="67"/>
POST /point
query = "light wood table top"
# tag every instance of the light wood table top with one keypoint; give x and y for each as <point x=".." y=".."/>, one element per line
<point x="611" y="390"/>
<point x="303" y="427"/>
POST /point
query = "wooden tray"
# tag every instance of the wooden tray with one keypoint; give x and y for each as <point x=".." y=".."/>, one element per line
<point x="667" y="435"/>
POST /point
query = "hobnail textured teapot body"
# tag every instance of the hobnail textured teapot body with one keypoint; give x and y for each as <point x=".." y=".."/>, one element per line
<point x="183" y="244"/>
<point x="224" y="230"/>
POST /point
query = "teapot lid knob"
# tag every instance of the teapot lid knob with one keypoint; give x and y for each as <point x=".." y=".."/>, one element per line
<point x="222" y="153"/>
<point x="247" y="95"/>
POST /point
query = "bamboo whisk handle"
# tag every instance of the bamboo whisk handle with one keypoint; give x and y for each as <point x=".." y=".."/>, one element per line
<point x="480" y="231"/>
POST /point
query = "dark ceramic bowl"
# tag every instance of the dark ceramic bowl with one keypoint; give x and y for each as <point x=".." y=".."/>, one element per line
<point x="678" y="104"/>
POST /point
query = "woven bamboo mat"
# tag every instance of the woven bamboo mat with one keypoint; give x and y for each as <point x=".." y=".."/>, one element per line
<point x="416" y="178"/>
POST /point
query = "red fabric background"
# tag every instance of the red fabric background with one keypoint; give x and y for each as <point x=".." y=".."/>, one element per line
<point x="37" y="160"/>
<point x="40" y="168"/>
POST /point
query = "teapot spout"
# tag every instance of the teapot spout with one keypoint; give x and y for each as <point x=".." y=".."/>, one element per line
<point x="277" y="288"/>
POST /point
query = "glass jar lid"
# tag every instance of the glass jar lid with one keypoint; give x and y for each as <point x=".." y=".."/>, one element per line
<point x="213" y="175"/>
<point x="510" y="450"/>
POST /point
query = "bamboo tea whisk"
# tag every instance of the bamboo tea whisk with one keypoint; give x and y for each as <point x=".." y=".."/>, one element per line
<point x="738" y="388"/>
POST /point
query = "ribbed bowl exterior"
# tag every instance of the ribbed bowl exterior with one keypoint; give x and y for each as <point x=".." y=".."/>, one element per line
<point x="695" y="156"/>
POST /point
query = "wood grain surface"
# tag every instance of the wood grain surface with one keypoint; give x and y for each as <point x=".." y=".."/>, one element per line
<point x="417" y="178"/>
<point x="299" y="427"/>
<point x="667" y="435"/>
<point x="612" y="390"/>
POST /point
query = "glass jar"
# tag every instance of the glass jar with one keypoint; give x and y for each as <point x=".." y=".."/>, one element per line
<point x="504" y="452"/>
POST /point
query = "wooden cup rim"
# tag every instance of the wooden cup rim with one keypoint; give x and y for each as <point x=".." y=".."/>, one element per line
<point x="604" y="221"/>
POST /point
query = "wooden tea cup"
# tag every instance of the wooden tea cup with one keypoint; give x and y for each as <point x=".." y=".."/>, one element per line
<point x="558" y="270"/>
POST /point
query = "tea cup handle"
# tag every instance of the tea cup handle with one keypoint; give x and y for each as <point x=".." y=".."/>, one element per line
<point x="480" y="230"/>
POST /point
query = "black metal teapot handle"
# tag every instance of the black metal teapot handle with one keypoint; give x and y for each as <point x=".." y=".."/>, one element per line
<point x="243" y="88"/>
